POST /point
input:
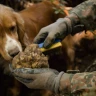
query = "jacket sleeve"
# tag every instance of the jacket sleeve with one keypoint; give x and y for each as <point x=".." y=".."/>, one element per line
<point x="86" y="12"/>
<point x="79" y="84"/>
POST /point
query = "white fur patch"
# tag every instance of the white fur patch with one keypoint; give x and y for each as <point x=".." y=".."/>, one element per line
<point x="11" y="44"/>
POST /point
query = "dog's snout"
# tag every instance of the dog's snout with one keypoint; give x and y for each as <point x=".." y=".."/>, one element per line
<point x="14" y="52"/>
<point x="12" y="46"/>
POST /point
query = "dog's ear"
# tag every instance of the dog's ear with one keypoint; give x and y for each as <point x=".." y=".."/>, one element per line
<point x="20" y="27"/>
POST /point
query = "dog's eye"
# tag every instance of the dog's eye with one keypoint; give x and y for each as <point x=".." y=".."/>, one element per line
<point x="12" y="28"/>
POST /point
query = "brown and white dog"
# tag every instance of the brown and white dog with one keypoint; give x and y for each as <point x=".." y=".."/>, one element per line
<point x="18" y="29"/>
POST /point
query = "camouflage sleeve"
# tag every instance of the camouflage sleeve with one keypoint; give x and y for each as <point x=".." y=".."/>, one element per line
<point x="86" y="11"/>
<point x="79" y="84"/>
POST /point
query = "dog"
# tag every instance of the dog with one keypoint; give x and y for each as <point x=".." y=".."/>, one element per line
<point x="18" y="29"/>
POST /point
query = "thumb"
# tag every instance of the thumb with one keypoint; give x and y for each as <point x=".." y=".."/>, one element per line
<point x="40" y="37"/>
<point x="49" y="40"/>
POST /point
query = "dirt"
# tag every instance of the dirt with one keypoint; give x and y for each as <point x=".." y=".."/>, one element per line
<point x="31" y="57"/>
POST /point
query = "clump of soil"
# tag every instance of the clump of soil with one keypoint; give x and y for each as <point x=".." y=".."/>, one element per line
<point x="32" y="57"/>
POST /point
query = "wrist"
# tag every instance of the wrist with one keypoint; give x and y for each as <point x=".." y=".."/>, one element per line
<point x="74" y="19"/>
<point x="57" y="83"/>
<point x="65" y="84"/>
<point x="53" y="82"/>
<point x="69" y="21"/>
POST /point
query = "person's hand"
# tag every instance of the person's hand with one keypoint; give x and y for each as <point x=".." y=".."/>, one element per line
<point x="58" y="30"/>
<point x="43" y="78"/>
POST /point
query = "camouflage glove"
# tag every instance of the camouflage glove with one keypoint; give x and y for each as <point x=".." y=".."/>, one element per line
<point x="57" y="30"/>
<point x="43" y="78"/>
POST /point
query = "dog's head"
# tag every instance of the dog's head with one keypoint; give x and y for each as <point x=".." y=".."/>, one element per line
<point x="11" y="32"/>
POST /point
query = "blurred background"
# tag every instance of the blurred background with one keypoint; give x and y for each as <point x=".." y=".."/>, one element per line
<point x="21" y="4"/>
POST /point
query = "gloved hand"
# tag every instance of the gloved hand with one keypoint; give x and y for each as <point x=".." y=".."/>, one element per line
<point x="43" y="78"/>
<point x="57" y="30"/>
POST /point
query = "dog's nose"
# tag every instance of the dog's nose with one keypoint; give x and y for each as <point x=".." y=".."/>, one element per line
<point x="13" y="52"/>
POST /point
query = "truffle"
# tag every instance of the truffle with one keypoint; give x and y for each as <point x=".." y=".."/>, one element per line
<point x="32" y="57"/>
